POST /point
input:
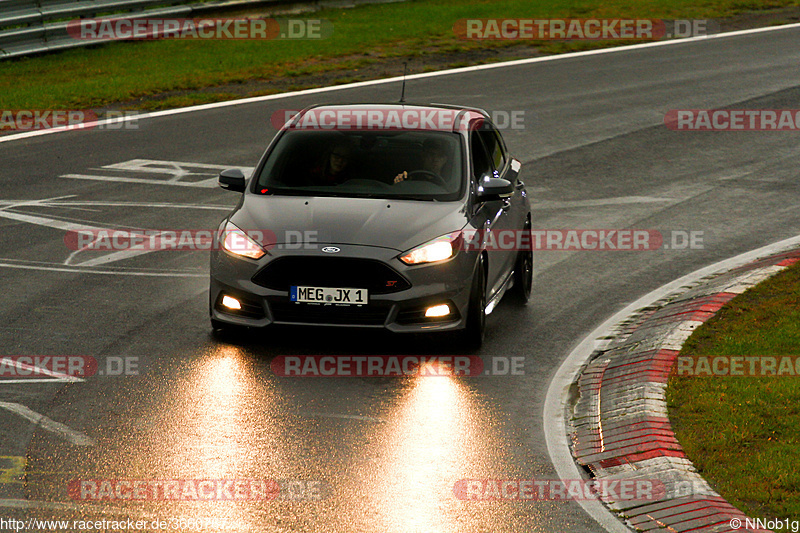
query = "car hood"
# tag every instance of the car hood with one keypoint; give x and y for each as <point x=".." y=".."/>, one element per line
<point x="395" y="224"/>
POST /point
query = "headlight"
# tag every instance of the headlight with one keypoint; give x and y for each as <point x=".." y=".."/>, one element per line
<point x="237" y="242"/>
<point x="438" y="249"/>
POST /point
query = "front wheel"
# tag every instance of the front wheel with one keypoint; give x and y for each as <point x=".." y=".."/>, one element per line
<point x="476" y="311"/>
<point x="224" y="329"/>
<point x="523" y="272"/>
<point x="218" y="325"/>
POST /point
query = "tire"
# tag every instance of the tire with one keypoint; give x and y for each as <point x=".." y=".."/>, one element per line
<point x="222" y="329"/>
<point x="218" y="325"/>
<point x="476" y="311"/>
<point x="523" y="273"/>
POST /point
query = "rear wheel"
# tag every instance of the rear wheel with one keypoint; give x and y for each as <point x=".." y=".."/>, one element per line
<point x="476" y="311"/>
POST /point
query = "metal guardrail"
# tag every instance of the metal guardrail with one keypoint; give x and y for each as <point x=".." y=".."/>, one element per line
<point x="33" y="26"/>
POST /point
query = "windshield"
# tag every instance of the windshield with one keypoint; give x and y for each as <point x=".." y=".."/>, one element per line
<point x="414" y="165"/>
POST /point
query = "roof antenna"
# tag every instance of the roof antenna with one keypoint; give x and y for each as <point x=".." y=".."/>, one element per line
<point x="403" y="90"/>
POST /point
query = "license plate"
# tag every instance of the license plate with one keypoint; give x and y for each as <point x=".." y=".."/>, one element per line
<point x="328" y="295"/>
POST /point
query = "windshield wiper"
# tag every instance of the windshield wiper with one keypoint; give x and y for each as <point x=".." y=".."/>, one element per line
<point x="412" y="197"/>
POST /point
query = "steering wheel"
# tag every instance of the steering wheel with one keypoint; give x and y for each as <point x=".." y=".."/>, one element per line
<point x="427" y="175"/>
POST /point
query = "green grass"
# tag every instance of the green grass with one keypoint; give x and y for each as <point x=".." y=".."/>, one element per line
<point x="743" y="433"/>
<point x="123" y="71"/>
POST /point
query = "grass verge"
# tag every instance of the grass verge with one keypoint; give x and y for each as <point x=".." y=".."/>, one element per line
<point x="158" y="74"/>
<point x="743" y="433"/>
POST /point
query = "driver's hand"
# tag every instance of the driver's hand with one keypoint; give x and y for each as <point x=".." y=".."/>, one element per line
<point x="401" y="177"/>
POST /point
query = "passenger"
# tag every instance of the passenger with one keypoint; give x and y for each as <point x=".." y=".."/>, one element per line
<point x="335" y="168"/>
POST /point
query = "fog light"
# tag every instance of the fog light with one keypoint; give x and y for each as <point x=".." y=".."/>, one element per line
<point x="231" y="303"/>
<point x="437" y="310"/>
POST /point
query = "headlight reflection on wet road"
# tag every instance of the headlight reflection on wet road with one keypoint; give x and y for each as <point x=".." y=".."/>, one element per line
<point x="386" y="453"/>
<point x="437" y="434"/>
<point x="223" y="430"/>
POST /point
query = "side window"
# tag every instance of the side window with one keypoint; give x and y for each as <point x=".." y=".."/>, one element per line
<point x="481" y="162"/>
<point x="494" y="147"/>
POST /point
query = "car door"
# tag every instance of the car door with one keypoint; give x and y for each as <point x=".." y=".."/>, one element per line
<point x="508" y="168"/>
<point x="497" y="221"/>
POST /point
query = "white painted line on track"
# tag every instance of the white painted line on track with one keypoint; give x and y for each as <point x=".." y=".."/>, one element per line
<point x="8" y="204"/>
<point x="397" y="79"/>
<point x="119" y="255"/>
<point x="555" y="404"/>
<point x="45" y="221"/>
<point x="57" y="376"/>
<point x="72" y="436"/>
<point x="93" y="203"/>
<point x="26" y="265"/>
<point x="176" y="169"/>
<point x="346" y="417"/>
<point x="77" y="227"/>
<point x="205" y="184"/>
<point x="34" y="380"/>
<point x="72" y="226"/>
<point x="599" y="202"/>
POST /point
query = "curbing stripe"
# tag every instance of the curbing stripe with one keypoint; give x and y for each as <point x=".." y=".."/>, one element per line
<point x="620" y="429"/>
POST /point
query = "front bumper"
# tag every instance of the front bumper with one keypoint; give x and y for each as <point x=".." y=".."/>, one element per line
<point x="262" y="288"/>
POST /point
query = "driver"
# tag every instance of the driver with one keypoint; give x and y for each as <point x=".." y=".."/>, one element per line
<point x="434" y="158"/>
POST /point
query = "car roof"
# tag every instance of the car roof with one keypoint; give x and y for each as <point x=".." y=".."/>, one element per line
<point x="461" y="117"/>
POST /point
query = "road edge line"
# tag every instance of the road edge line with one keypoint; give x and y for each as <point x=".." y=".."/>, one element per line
<point x="395" y="79"/>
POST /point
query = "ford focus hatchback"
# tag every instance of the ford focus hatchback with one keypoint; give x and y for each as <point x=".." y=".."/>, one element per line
<point x="403" y="217"/>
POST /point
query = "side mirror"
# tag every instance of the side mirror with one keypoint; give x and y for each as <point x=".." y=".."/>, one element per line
<point x="494" y="189"/>
<point x="232" y="179"/>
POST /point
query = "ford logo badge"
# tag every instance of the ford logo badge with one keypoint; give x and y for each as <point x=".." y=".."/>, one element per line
<point x="331" y="250"/>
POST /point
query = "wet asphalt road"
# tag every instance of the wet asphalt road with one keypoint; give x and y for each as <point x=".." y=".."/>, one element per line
<point x="359" y="454"/>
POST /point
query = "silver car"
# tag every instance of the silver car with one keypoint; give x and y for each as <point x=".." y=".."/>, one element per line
<point x="375" y="216"/>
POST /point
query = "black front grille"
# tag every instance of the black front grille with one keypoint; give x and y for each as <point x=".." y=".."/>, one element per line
<point x="294" y="312"/>
<point x="369" y="274"/>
